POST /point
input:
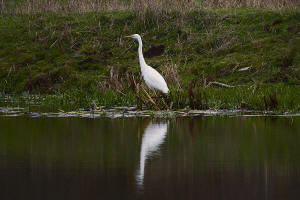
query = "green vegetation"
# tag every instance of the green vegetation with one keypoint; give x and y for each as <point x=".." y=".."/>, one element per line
<point x="138" y="6"/>
<point x="81" y="58"/>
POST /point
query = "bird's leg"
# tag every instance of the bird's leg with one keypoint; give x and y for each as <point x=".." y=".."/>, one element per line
<point x="165" y="104"/>
<point x="162" y="97"/>
<point x="154" y="95"/>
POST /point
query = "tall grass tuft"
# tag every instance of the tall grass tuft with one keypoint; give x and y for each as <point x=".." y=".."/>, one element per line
<point x="141" y="7"/>
<point x="272" y="4"/>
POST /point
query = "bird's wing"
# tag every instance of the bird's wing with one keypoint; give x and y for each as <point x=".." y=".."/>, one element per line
<point x="155" y="80"/>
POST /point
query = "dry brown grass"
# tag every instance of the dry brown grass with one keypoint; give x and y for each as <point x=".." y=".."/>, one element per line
<point x="118" y="81"/>
<point x="139" y="6"/>
<point x="272" y="4"/>
<point x="170" y="72"/>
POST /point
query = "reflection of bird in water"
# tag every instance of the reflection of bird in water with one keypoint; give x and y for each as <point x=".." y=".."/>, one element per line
<point x="152" y="78"/>
<point x="154" y="136"/>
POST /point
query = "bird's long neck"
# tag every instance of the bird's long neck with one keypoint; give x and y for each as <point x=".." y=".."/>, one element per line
<point x="141" y="56"/>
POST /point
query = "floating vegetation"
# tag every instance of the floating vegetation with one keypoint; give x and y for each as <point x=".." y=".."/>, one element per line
<point x="125" y="112"/>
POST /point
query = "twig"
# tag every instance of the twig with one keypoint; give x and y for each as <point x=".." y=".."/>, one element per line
<point x="222" y="85"/>
<point x="124" y="52"/>
<point x="120" y="92"/>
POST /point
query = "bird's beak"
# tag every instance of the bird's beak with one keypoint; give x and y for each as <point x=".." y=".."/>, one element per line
<point x="128" y="36"/>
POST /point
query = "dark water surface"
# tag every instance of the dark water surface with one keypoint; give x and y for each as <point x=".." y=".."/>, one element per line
<point x="142" y="158"/>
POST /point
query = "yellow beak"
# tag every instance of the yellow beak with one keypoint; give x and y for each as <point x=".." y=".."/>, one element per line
<point x="128" y="36"/>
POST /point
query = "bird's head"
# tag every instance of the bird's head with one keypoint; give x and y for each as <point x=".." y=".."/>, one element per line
<point x="134" y="36"/>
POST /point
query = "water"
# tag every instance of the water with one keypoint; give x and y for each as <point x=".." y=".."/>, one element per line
<point x="217" y="157"/>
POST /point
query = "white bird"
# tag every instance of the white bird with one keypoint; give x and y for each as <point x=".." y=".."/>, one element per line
<point x="152" y="78"/>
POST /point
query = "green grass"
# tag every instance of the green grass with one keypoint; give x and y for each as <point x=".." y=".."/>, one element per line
<point x="72" y="55"/>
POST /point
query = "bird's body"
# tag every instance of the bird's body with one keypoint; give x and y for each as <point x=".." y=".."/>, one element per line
<point x="152" y="78"/>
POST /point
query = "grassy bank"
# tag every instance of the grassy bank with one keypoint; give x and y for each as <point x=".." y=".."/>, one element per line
<point x="82" y="58"/>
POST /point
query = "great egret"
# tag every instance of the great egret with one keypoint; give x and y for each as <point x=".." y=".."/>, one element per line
<point x="152" y="78"/>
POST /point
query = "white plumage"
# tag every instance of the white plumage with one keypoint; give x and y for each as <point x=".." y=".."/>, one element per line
<point x="152" y="78"/>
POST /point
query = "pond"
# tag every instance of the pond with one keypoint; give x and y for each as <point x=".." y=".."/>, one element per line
<point x="212" y="157"/>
